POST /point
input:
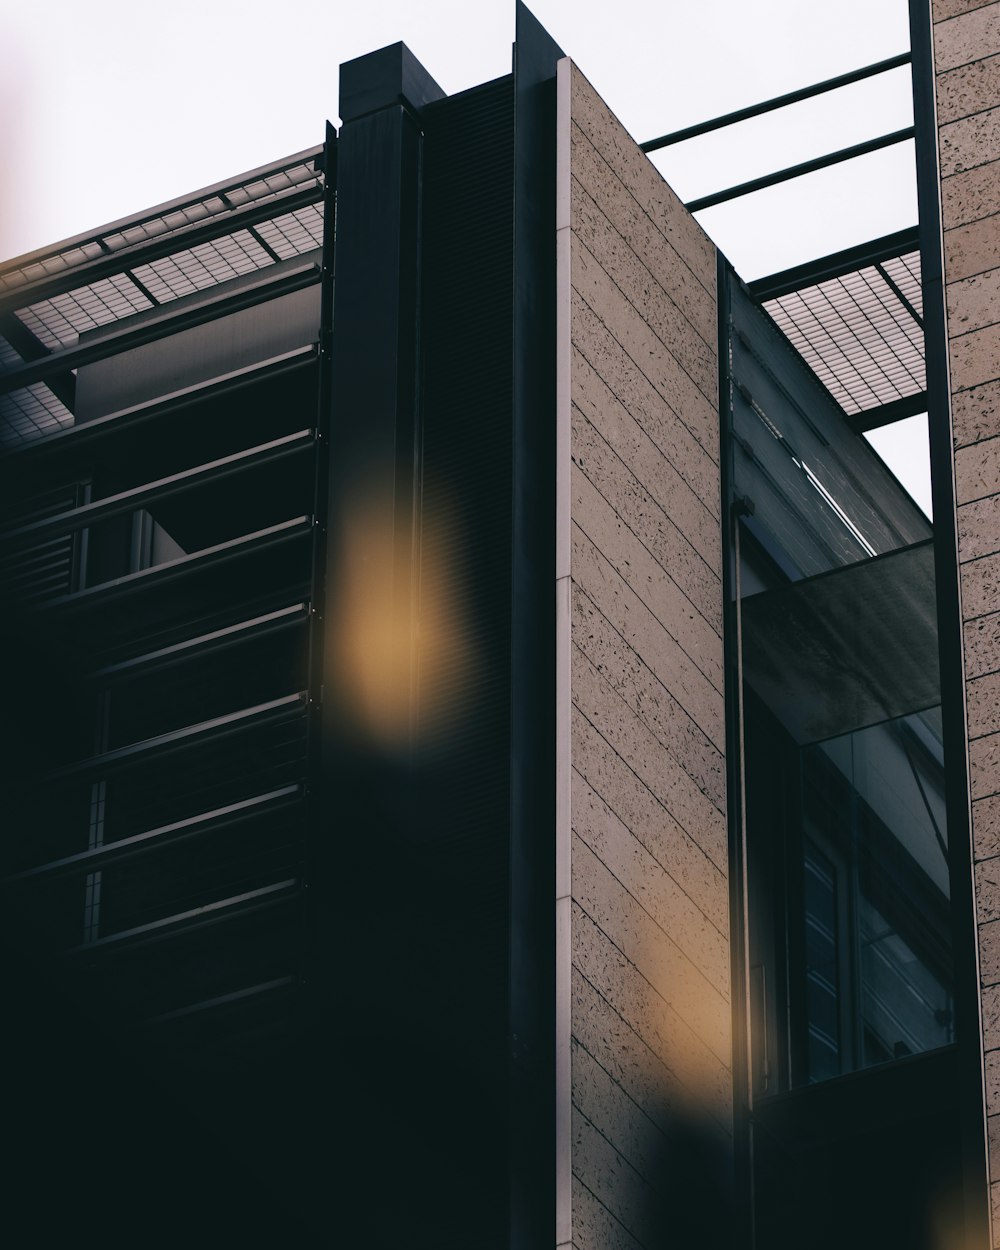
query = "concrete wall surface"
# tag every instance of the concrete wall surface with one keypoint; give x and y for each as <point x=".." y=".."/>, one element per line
<point x="967" y="72"/>
<point x="644" y="976"/>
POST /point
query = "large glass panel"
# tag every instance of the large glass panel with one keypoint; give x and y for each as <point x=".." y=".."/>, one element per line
<point x="847" y="844"/>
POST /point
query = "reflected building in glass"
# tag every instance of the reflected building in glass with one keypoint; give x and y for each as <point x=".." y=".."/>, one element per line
<point x="497" y="754"/>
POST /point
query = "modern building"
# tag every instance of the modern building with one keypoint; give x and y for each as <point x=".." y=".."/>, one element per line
<point x="495" y="756"/>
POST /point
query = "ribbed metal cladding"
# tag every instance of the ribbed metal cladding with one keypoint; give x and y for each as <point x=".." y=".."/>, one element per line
<point x="464" y="606"/>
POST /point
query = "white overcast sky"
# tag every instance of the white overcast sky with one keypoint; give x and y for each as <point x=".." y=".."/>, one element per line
<point x="112" y="106"/>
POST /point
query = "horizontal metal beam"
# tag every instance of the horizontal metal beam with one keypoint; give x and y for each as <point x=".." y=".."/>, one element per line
<point x="835" y="265"/>
<point x="175" y="570"/>
<point x="176" y="831"/>
<point x="272" y="284"/>
<point x="781" y="101"/>
<point x="224" y="1000"/>
<point x="231" y="635"/>
<point x="191" y="199"/>
<point x="886" y="414"/>
<point x="236" y="904"/>
<point x="163" y="488"/>
<point x="796" y="171"/>
<point x="218" y="727"/>
<point x="173" y="241"/>
<point x="73" y="439"/>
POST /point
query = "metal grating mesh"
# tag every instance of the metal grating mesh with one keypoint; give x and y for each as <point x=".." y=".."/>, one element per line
<point x="9" y="358"/>
<point x="59" y="321"/>
<point x="864" y="342"/>
<point x="31" y="413"/>
<point x="297" y="173"/>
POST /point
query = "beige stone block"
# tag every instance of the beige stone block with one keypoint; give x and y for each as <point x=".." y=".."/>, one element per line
<point x="658" y="959"/>
<point x="640" y="571"/>
<point x="971" y="249"/>
<point x="982" y="644"/>
<point x="616" y="1117"/>
<point x="628" y="797"/>
<point x="644" y="349"/>
<point x="594" y="343"/>
<point x="645" y="295"/>
<point x="633" y="223"/>
<point x="970" y="196"/>
<point x="990" y="999"/>
<point x="646" y="519"/>
<point x="646" y="636"/>
<point x="989" y="956"/>
<point x="980" y="587"/>
<point x="616" y="1184"/>
<point x="637" y="172"/>
<point x="983" y="696"/>
<point x="594" y="1227"/>
<point x="979" y="528"/>
<point x="968" y="37"/>
<point x="977" y="470"/>
<point x="975" y="413"/>
<point x="984" y="766"/>
<point x="638" y="746"/>
<point x="670" y="325"/>
<point x="993" y="1143"/>
<point x="992" y="1082"/>
<point x="986" y="827"/>
<point x="645" y="460"/>
<point x="973" y="303"/>
<point x="943" y="9"/>
<point x="700" y="1075"/>
<point x="601" y="1031"/>
<point x="975" y="357"/>
<point x="988" y="890"/>
<point x="635" y="683"/>
<point x="650" y="885"/>
<point x="961" y="93"/>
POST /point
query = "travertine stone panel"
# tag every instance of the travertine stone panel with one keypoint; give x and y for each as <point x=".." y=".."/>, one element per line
<point x="641" y="812"/>
<point x="978" y="524"/>
<point x="984" y="705"/>
<point x="969" y="37"/>
<point x="967" y="54"/>
<point x="650" y="1003"/>
<point x="977" y="470"/>
<point x="969" y="93"/>
<point x="974" y="303"/>
<point x="943" y="9"/>
<point x="986" y="826"/>
<point x="639" y="629"/>
<point x="630" y="219"/>
<point x="982" y="639"/>
<point x="975" y="357"/>
<point x="971" y="249"/>
<point x="971" y="196"/>
<point x="605" y="355"/>
<point x="975" y="413"/>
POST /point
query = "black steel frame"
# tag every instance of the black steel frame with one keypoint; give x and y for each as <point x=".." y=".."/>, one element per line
<point x="767" y="106"/>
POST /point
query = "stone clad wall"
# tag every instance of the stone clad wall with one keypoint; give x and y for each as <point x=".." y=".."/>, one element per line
<point x="644" y="861"/>
<point x="967" y="65"/>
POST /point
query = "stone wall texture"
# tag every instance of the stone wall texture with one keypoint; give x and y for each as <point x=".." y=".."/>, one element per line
<point x="967" y="65"/>
<point x="647" y="875"/>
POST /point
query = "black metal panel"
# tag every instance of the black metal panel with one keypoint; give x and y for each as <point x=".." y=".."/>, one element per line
<point x="176" y="360"/>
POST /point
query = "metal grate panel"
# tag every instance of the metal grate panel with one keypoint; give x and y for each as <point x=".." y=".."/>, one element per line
<point x="31" y="413"/>
<point x="861" y="332"/>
